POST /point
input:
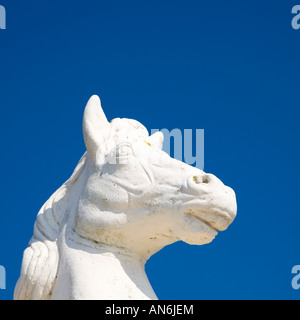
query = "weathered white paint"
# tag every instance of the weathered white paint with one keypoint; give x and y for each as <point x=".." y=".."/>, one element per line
<point x="94" y="235"/>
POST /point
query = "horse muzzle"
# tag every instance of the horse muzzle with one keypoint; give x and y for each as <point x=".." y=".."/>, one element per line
<point x="210" y="201"/>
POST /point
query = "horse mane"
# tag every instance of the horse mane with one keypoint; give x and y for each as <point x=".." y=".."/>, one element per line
<point x="40" y="259"/>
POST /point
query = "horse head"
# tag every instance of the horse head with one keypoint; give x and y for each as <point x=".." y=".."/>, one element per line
<point x="126" y="200"/>
<point x="139" y="198"/>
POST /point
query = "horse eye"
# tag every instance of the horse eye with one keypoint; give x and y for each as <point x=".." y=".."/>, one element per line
<point x="124" y="150"/>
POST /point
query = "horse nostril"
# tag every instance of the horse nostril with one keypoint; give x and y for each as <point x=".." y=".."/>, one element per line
<point x="205" y="179"/>
<point x="201" y="179"/>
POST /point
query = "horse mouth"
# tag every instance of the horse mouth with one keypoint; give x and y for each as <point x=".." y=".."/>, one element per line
<point x="216" y="219"/>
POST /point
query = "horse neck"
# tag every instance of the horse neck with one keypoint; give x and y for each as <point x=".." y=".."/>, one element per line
<point x="100" y="272"/>
<point x="88" y="270"/>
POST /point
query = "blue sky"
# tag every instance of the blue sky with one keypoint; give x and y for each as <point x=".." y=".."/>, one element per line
<point x="231" y="68"/>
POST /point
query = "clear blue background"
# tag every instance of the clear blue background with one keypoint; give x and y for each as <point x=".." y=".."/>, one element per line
<point x="228" y="67"/>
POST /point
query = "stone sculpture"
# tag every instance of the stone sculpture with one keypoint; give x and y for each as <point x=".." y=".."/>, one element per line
<point x="126" y="200"/>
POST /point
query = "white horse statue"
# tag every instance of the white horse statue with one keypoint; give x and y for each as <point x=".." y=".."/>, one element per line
<point x="126" y="200"/>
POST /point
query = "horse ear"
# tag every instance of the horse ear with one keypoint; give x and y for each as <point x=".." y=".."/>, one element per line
<point x="157" y="140"/>
<point x="94" y="125"/>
